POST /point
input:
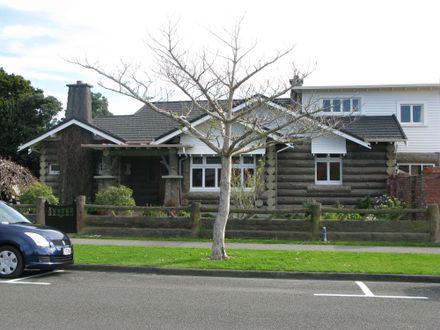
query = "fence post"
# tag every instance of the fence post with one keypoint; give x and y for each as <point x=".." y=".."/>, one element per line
<point x="195" y="219"/>
<point x="40" y="213"/>
<point x="80" y="212"/>
<point x="433" y="216"/>
<point x="316" y="218"/>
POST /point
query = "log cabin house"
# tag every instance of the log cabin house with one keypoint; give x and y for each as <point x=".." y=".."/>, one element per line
<point x="386" y="127"/>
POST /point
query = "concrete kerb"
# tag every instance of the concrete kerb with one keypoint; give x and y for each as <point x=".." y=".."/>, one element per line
<point x="259" y="274"/>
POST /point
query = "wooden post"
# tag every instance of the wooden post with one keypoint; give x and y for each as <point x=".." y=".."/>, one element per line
<point x="195" y="219"/>
<point x="80" y="212"/>
<point x="316" y="219"/>
<point x="433" y="216"/>
<point x="40" y="213"/>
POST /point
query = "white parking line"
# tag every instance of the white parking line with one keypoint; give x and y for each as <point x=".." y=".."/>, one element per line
<point x="367" y="294"/>
<point x="365" y="289"/>
<point x="21" y="279"/>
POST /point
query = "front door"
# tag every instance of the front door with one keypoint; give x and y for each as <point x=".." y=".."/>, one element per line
<point x="143" y="175"/>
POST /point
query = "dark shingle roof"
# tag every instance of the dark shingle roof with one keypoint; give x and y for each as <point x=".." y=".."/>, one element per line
<point x="373" y="128"/>
<point x="146" y="125"/>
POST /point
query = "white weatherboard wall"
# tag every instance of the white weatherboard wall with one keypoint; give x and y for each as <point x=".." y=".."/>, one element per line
<point x="421" y="138"/>
<point x="200" y="148"/>
<point x="329" y="144"/>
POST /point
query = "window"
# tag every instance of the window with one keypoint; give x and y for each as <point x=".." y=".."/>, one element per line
<point x="206" y="171"/>
<point x="54" y="169"/>
<point x="413" y="169"/>
<point x="411" y="113"/>
<point x="341" y="105"/>
<point x="328" y="169"/>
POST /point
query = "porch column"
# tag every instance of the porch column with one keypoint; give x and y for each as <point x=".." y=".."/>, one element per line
<point x="105" y="179"/>
<point x="172" y="180"/>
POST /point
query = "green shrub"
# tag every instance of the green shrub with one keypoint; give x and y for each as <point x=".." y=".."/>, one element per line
<point x="155" y="213"/>
<point x="36" y="190"/>
<point x="340" y="215"/>
<point x="119" y="196"/>
<point x="382" y="202"/>
<point x="365" y="203"/>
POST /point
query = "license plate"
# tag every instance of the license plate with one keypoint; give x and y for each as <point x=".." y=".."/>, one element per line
<point x="67" y="251"/>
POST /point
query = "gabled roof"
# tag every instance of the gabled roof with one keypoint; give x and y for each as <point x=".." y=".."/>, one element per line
<point x="146" y="125"/>
<point x="89" y="127"/>
<point x="149" y="126"/>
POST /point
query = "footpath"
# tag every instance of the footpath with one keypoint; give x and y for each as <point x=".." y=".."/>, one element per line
<point x="261" y="274"/>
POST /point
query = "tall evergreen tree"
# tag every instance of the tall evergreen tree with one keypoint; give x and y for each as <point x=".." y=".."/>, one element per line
<point x="24" y="113"/>
<point x="100" y="106"/>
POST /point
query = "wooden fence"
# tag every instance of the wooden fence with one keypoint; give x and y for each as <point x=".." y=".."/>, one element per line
<point x="421" y="224"/>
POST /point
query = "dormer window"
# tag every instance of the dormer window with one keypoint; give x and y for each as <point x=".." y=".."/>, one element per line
<point x="341" y="105"/>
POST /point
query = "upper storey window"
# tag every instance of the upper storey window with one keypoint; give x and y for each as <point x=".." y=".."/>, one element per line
<point x="411" y="113"/>
<point x="341" y="105"/>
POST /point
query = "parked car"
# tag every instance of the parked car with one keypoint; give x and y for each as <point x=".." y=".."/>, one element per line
<point x="24" y="245"/>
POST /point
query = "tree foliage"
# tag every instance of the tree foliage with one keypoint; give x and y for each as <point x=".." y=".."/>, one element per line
<point x="100" y="106"/>
<point x="24" y="113"/>
<point x="13" y="177"/>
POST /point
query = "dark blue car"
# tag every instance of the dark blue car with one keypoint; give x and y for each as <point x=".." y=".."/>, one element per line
<point x="24" y="245"/>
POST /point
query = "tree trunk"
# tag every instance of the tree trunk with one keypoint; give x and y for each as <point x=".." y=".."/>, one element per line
<point x="218" y="237"/>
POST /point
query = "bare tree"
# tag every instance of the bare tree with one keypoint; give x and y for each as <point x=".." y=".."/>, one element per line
<point x="225" y="85"/>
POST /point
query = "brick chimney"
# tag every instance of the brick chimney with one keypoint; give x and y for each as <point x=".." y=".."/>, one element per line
<point x="79" y="102"/>
<point x="296" y="96"/>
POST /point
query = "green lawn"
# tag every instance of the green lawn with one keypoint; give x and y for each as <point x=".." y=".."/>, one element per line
<point x="260" y="241"/>
<point x="296" y="261"/>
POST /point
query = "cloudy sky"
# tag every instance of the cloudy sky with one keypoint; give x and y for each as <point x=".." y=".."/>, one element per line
<point x="347" y="42"/>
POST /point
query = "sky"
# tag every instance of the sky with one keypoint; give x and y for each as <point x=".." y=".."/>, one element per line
<point x="344" y="42"/>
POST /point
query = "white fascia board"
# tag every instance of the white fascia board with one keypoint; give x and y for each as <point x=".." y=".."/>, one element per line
<point x="271" y="104"/>
<point x="65" y="125"/>
<point x="349" y="137"/>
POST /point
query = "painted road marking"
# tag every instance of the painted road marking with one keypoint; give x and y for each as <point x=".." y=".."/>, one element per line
<point x="367" y="294"/>
<point x="21" y="279"/>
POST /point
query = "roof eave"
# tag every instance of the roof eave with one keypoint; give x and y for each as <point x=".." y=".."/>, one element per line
<point x="89" y="127"/>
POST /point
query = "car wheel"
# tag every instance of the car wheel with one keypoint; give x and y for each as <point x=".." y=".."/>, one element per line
<point x="11" y="262"/>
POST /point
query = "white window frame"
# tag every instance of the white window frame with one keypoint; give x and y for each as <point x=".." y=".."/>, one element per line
<point x="204" y="165"/>
<point x="341" y="100"/>
<point x="52" y="171"/>
<point x="328" y="159"/>
<point x="422" y="166"/>
<point x="411" y="104"/>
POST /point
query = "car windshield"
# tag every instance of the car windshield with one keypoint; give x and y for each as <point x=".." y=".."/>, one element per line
<point x="8" y="214"/>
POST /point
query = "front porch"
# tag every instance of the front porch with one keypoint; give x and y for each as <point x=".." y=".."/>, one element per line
<point x="151" y="171"/>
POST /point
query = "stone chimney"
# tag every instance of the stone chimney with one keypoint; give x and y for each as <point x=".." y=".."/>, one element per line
<point x="296" y="96"/>
<point x="79" y="102"/>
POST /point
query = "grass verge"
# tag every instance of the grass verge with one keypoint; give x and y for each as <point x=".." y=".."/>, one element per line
<point x="295" y="261"/>
<point x="259" y="241"/>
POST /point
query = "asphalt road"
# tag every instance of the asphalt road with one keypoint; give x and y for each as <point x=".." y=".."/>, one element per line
<point x="98" y="300"/>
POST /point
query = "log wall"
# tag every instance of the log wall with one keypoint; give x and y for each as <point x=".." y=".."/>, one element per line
<point x="364" y="173"/>
<point x="48" y="155"/>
